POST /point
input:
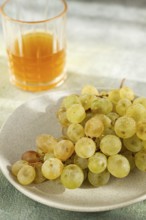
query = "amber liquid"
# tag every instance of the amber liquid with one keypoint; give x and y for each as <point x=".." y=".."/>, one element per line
<point x="33" y="63"/>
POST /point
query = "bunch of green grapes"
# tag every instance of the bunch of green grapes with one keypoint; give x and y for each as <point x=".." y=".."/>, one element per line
<point x="103" y="135"/>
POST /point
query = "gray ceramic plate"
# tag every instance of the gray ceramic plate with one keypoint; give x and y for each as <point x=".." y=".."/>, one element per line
<point x="18" y="135"/>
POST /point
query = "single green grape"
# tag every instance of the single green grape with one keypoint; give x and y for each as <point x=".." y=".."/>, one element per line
<point x="126" y="92"/>
<point x="125" y="127"/>
<point x="98" y="179"/>
<point x="26" y="175"/>
<point x="110" y="145"/>
<point x="76" y="113"/>
<point x="94" y="127"/>
<point x="85" y="147"/>
<point x="136" y="111"/>
<point x="133" y="144"/>
<point x="86" y="100"/>
<point x="118" y="165"/>
<point x="141" y="130"/>
<point x="17" y="166"/>
<point x="69" y="100"/>
<point x="75" y="132"/>
<point x="97" y="163"/>
<point x="81" y="162"/>
<point x="72" y="176"/>
<point x="64" y="149"/>
<point x="101" y="105"/>
<point x="114" y="96"/>
<point x="52" y="168"/>
<point x="45" y="143"/>
<point x="122" y="106"/>
<point x="62" y="117"/>
<point x="140" y="100"/>
<point x="140" y="160"/>
<point x="89" y="89"/>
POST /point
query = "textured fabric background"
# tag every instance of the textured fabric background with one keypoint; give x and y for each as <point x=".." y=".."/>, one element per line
<point x="106" y="42"/>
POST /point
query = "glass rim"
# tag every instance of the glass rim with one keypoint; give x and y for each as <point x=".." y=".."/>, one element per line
<point x="62" y="13"/>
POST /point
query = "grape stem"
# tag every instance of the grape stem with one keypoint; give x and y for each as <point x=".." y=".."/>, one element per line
<point x="122" y="83"/>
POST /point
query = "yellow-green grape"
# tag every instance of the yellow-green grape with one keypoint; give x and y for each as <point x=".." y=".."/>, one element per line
<point x="133" y="144"/>
<point x="113" y="116"/>
<point x="125" y="127"/>
<point x="144" y="144"/>
<point x="76" y="113"/>
<point x="45" y="143"/>
<point x="85" y="147"/>
<point x="81" y="162"/>
<point x="114" y="96"/>
<point x="101" y="105"/>
<point x="98" y="179"/>
<point x="94" y="127"/>
<point x="108" y="131"/>
<point x="122" y="106"/>
<point x="130" y="158"/>
<point x="64" y="149"/>
<point x="126" y="92"/>
<point x="118" y="165"/>
<point x="39" y="178"/>
<point x="141" y="130"/>
<point x="62" y="117"/>
<point x="86" y="100"/>
<point x="140" y="160"/>
<point x="105" y="119"/>
<point x="69" y="100"/>
<point x="140" y="100"/>
<point x="72" y="176"/>
<point x="52" y="168"/>
<point x="48" y="155"/>
<point x="26" y="175"/>
<point x="97" y="163"/>
<point x="75" y="132"/>
<point x="136" y="111"/>
<point x="17" y="166"/>
<point x="110" y="145"/>
<point x="89" y="89"/>
<point x="31" y="156"/>
<point x="70" y="160"/>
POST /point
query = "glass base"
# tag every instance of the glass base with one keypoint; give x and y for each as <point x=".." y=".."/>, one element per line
<point x="39" y="86"/>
